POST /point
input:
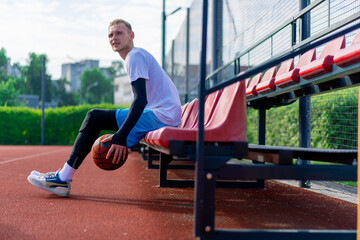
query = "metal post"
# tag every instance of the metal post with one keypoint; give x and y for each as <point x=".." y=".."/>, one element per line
<point x="304" y="131"/>
<point x="43" y="103"/>
<point x="199" y="227"/>
<point x="217" y="37"/>
<point x="293" y="33"/>
<point x="358" y="165"/>
<point x="304" y="102"/>
<point x="328" y="2"/>
<point x="172" y="60"/>
<point x="163" y="37"/>
<point x="261" y="126"/>
<point x="261" y="137"/>
<point x="187" y="80"/>
<point x="164" y="32"/>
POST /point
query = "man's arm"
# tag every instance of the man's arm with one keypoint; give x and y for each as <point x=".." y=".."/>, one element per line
<point x="137" y="107"/>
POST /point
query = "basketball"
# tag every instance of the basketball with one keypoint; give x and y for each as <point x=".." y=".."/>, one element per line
<point x="98" y="154"/>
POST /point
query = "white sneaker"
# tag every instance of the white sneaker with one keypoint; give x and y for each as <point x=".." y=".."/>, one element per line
<point x="51" y="183"/>
<point x="39" y="174"/>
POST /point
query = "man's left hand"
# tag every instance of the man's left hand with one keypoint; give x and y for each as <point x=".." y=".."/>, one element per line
<point x="119" y="152"/>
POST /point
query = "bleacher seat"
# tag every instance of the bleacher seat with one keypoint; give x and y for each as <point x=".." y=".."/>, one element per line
<point x="247" y="81"/>
<point x="326" y="59"/>
<point x="266" y="83"/>
<point x="349" y="55"/>
<point x="251" y="88"/>
<point x="287" y="74"/>
<point x="189" y="116"/>
<point x="224" y="119"/>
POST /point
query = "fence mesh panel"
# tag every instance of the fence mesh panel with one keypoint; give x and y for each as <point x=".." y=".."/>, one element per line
<point x="247" y="22"/>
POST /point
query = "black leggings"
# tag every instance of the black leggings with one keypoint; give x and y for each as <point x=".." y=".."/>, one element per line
<point x="95" y="121"/>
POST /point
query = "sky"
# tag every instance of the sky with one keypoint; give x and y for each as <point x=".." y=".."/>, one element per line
<point x="73" y="30"/>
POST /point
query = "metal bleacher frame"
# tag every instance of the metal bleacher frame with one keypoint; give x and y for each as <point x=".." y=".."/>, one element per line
<point x="204" y="206"/>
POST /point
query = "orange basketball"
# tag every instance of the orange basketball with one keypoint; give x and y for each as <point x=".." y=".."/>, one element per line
<point x="99" y="151"/>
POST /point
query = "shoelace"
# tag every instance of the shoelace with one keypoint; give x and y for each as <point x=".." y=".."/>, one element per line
<point x="50" y="174"/>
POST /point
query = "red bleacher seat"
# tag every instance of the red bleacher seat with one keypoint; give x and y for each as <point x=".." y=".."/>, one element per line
<point x="251" y="88"/>
<point x="247" y="81"/>
<point x="266" y="83"/>
<point x="183" y="108"/>
<point x="188" y="118"/>
<point x="349" y="55"/>
<point x="287" y="74"/>
<point x="326" y="59"/>
<point x="224" y="119"/>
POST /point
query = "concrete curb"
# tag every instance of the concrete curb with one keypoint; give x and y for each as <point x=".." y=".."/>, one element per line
<point x="331" y="189"/>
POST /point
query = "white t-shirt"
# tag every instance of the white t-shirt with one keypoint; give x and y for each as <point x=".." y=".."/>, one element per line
<point x="162" y="95"/>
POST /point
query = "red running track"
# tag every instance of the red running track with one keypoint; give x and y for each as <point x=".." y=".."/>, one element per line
<point x="127" y="204"/>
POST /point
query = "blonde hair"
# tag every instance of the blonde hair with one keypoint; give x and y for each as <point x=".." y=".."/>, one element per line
<point x="119" y="21"/>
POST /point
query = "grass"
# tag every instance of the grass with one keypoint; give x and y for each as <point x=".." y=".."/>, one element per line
<point x="350" y="184"/>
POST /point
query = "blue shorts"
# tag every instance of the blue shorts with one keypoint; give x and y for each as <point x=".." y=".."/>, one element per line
<point x="146" y="123"/>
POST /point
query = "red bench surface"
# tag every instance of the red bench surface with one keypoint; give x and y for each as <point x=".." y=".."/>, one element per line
<point x="290" y="75"/>
<point x="266" y="83"/>
<point x="224" y="119"/>
<point x="251" y="88"/>
<point x="349" y="55"/>
<point x="326" y="59"/>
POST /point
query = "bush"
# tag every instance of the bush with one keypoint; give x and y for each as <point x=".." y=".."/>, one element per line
<point x="21" y="125"/>
<point x="336" y="120"/>
<point x="333" y="122"/>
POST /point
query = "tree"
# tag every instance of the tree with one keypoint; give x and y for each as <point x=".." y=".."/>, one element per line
<point x="33" y="76"/>
<point x="60" y="94"/>
<point x="8" y="85"/>
<point x="95" y="87"/>
<point x="3" y="65"/>
<point x="8" y="92"/>
<point x="116" y="69"/>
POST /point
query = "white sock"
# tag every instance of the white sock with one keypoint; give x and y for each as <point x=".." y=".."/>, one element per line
<point x="67" y="172"/>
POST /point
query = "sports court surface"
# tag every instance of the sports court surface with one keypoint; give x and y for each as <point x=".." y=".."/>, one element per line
<point x="128" y="204"/>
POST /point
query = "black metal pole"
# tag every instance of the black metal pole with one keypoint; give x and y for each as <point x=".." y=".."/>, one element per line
<point x="261" y="126"/>
<point x="199" y="227"/>
<point x="187" y="55"/>
<point x="163" y="36"/>
<point x="43" y="103"/>
<point x="217" y="38"/>
<point x="173" y="60"/>
<point x="304" y="102"/>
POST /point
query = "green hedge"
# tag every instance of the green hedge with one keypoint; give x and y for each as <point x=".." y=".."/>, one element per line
<point x="333" y="122"/>
<point x="337" y="120"/>
<point x="21" y="125"/>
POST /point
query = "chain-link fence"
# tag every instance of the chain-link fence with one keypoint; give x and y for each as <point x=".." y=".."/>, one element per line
<point x="251" y="32"/>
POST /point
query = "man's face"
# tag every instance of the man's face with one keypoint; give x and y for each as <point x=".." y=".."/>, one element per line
<point x="120" y="37"/>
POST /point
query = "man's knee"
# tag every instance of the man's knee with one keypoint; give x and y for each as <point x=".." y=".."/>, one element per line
<point x="90" y="119"/>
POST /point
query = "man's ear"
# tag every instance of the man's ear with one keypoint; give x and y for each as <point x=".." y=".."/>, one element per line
<point x="132" y="34"/>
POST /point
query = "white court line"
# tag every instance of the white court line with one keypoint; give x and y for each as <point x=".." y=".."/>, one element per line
<point x="31" y="156"/>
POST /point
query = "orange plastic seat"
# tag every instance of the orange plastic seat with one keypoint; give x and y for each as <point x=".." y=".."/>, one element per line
<point x="326" y="59"/>
<point x="349" y="55"/>
<point x="287" y="74"/>
<point x="267" y="82"/>
<point x="224" y="119"/>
